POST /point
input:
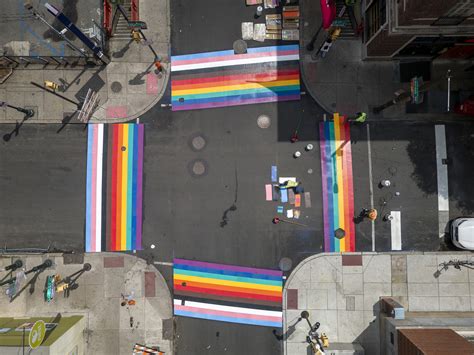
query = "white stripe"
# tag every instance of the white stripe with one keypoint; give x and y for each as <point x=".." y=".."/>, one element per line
<point x="98" y="207"/>
<point x="371" y="185"/>
<point x="395" y="226"/>
<point x="219" y="307"/>
<point x="442" y="169"/>
<point x="227" y="63"/>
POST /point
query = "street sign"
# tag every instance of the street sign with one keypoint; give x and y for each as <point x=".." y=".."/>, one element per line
<point x="415" y="84"/>
<point x="37" y="333"/>
<point x="137" y="25"/>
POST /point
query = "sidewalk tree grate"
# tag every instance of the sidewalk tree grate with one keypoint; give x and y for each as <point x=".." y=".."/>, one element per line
<point x="263" y="121"/>
<point x="116" y="87"/>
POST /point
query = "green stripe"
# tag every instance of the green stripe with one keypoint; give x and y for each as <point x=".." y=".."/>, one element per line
<point x="237" y="92"/>
<point x="228" y="277"/>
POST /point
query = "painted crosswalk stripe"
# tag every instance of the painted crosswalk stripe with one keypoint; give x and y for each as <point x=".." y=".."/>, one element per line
<point x="442" y="177"/>
<point x="396" y="230"/>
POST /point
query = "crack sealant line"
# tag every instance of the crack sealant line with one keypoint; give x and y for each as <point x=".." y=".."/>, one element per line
<point x="371" y="186"/>
<point x="442" y="178"/>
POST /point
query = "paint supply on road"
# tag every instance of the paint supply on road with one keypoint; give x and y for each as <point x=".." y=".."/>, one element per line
<point x="296" y="214"/>
<point x="279" y="209"/>
<point x="291" y="196"/>
<point x="307" y="199"/>
<point x="289" y="214"/>
<point x="297" y="200"/>
<point x="274" y="174"/>
<point x="284" y="195"/>
<point x="309" y="147"/>
<point x="268" y="192"/>
<point x="297" y="154"/>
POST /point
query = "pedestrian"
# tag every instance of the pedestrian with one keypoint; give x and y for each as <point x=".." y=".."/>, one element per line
<point x="288" y="184"/>
<point x="370" y="214"/>
<point x="360" y="117"/>
<point x="159" y="66"/>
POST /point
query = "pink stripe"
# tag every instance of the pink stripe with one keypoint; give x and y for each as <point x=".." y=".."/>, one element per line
<point x="227" y="314"/>
<point x="225" y="58"/>
<point x="94" y="188"/>
<point x="268" y="192"/>
<point x="235" y="102"/>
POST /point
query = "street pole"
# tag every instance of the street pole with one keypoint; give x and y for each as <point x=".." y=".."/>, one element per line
<point x="27" y="111"/>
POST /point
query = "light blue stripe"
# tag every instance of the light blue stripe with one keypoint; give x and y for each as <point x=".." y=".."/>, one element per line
<point x="90" y="140"/>
<point x="284" y="195"/>
<point x="231" y="52"/>
<point x="177" y="265"/>
<point x="248" y="280"/>
<point x="227" y="319"/>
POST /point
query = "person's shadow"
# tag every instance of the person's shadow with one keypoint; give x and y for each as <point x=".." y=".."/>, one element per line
<point x="287" y="334"/>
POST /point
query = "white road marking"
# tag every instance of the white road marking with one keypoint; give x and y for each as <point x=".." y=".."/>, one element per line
<point x="162" y="263"/>
<point x="442" y="176"/>
<point x="371" y="186"/>
<point x="395" y="226"/>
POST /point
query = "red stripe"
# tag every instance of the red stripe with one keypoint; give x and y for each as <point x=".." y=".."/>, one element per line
<point x="268" y="75"/>
<point x="238" y="81"/>
<point x="113" y="199"/>
<point x="233" y="57"/>
<point x="227" y="313"/>
<point x="350" y="189"/>
<point x="205" y="291"/>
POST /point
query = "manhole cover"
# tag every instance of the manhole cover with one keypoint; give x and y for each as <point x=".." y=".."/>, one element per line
<point x="198" y="168"/>
<point x="116" y="87"/>
<point x="263" y="121"/>
<point x="197" y="142"/>
<point x="285" y="264"/>
<point x="240" y="46"/>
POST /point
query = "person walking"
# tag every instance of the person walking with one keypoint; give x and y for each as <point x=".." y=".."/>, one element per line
<point x="288" y="184"/>
<point x="360" y="117"/>
<point x="370" y="214"/>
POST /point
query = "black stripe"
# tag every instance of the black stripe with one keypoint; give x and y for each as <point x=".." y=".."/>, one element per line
<point x="234" y="69"/>
<point x="228" y="303"/>
<point x="104" y="188"/>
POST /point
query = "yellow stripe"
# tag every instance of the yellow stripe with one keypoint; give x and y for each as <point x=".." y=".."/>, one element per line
<point x="340" y="181"/>
<point x="235" y="87"/>
<point x="123" y="211"/>
<point x="226" y="282"/>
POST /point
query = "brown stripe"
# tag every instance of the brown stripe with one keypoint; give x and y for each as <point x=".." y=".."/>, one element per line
<point x="226" y="298"/>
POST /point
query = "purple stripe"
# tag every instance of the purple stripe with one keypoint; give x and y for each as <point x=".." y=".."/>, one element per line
<point x="324" y="175"/>
<point x="228" y="267"/>
<point x="139" y="186"/>
<point x="236" y="102"/>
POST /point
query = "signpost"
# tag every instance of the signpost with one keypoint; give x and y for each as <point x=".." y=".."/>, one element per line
<point x="37" y="333"/>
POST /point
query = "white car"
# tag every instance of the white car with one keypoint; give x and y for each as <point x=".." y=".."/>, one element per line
<point x="462" y="232"/>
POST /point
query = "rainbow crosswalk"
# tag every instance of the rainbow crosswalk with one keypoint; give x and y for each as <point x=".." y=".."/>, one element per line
<point x="337" y="184"/>
<point x="220" y="79"/>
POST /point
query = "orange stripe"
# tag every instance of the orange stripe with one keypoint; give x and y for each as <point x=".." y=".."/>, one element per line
<point x="226" y="82"/>
<point x="229" y="288"/>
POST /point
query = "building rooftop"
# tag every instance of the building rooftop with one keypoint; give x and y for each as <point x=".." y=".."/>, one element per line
<point x="25" y="35"/>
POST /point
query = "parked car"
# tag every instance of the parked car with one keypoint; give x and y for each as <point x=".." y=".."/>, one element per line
<point x="462" y="232"/>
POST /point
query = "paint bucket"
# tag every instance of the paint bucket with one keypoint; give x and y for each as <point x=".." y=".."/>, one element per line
<point x="297" y="154"/>
<point x="309" y="147"/>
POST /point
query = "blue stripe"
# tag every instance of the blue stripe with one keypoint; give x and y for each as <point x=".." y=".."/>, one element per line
<point x="232" y="97"/>
<point x="90" y="140"/>
<point x="227" y="319"/>
<point x="248" y="280"/>
<point x="224" y="93"/>
<point x="134" y="188"/>
<point x="231" y="52"/>
<point x="227" y="272"/>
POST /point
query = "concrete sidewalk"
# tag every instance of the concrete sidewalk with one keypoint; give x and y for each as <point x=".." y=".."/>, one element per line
<point x="344" y="298"/>
<point x="343" y="82"/>
<point x="127" y="87"/>
<point x="98" y="299"/>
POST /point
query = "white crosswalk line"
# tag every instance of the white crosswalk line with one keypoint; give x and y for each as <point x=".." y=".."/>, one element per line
<point x="395" y="226"/>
